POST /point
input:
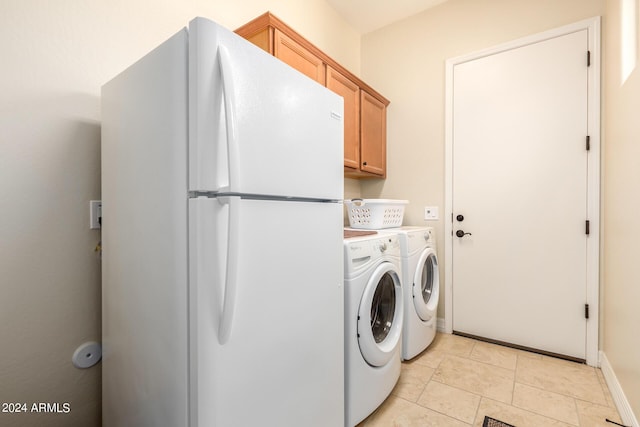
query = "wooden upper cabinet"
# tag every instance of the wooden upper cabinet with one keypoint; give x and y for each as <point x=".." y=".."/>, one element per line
<point x="373" y="143"/>
<point x="263" y="38"/>
<point x="350" y="92"/>
<point x="268" y="37"/>
<point x="365" y="120"/>
<point x="294" y="54"/>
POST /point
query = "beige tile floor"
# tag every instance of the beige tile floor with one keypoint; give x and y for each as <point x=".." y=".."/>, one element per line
<point x="457" y="381"/>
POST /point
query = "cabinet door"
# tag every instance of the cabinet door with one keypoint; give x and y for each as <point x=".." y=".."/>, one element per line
<point x="350" y="92"/>
<point x="263" y="39"/>
<point x="373" y="134"/>
<point x="294" y="54"/>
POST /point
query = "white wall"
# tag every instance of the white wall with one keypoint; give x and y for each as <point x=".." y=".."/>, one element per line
<point x="55" y="57"/>
<point x="621" y="229"/>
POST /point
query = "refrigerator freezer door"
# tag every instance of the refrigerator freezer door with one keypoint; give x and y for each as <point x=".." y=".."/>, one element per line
<point x="282" y="363"/>
<point x="256" y="125"/>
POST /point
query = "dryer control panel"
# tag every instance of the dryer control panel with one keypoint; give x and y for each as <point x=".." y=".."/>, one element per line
<point x="417" y="239"/>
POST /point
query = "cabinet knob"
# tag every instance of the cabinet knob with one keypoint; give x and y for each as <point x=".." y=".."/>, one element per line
<point x="364" y="163"/>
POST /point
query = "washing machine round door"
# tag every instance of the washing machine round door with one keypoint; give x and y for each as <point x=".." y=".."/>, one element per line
<point x="426" y="285"/>
<point x="380" y="315"/>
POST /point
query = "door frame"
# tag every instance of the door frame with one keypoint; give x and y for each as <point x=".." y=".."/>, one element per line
<point x="592" y="26"/>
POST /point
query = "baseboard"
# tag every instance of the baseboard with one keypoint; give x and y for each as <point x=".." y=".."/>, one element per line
<point x="440" y="325"/>
<point x="619" y="398"/>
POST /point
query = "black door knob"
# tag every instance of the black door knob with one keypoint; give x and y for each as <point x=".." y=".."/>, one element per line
<point x="461" y="233"/>
<point x="460" y="218"/>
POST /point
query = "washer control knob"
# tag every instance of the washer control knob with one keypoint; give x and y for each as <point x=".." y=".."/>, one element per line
<point x="383" y="247"/>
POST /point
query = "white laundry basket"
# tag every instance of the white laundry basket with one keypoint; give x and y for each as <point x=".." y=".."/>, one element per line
<point x="374" y="214"/>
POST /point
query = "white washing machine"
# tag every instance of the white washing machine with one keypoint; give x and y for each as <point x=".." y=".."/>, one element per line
<point x="420" y="283"/>
<point x="373" y="322"/>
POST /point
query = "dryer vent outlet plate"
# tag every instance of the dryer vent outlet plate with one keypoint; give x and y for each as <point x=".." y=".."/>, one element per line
<point x="87" y="355"/>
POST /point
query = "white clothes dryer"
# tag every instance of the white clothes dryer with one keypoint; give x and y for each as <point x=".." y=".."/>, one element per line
<point x="373" y="322"/>
<point x="420" y="283"/>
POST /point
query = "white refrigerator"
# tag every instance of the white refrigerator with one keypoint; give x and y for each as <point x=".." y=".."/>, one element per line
<point x="222" y="181"/>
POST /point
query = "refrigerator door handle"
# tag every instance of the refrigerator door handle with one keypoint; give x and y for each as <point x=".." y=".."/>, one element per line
<point x="228" y="87"/>
<point x="231" y="276"/>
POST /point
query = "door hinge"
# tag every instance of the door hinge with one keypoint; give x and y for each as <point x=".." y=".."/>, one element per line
<point x="586" y="311"/>
<point x="586" y="227"/>
<point x="588" y="58"/>
<point x="588" y="143"/>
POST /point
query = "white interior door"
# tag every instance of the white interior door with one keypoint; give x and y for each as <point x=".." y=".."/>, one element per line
<point x="519" y="189"/>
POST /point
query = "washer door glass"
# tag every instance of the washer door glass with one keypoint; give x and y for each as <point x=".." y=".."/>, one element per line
<point x="425" y="285"/>
<point x="380" y="315"/>
<point x="383" y="308"/>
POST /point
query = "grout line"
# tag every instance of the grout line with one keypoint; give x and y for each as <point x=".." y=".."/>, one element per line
<point x="483" y="362"/>
<point x="447" y="415"/>
<point x="533" y="411"/>
<point x="565" y="394"/>
<point x="515" y="377"/>
<point x="575" y="405"/>
<point x="473" y="347"/>
<point x="475" y="419"/>
<point x="428" y="409"/>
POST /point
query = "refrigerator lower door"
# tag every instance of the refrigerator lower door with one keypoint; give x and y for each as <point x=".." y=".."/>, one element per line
<point x="252" y="116"/>
<point x="281" y="360"/>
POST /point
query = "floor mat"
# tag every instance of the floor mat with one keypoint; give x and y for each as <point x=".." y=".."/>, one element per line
<point x="491" y="422"/>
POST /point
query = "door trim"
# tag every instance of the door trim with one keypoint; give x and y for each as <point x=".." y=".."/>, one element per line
<point x="592" y="26"/>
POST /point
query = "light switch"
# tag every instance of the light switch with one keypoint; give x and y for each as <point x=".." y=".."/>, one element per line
<point x="431" y="213"/>
<point x="95" y="214"/>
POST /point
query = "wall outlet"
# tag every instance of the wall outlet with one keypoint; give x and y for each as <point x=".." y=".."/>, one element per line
<point x="95" y="214"/>
<point x="431" y="213"/>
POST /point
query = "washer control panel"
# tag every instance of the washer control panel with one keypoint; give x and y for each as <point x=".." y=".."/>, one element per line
<point x="361" y="252"/>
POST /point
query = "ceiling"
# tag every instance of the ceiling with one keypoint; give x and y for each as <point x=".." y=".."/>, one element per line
<point x="369" y="15"/>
